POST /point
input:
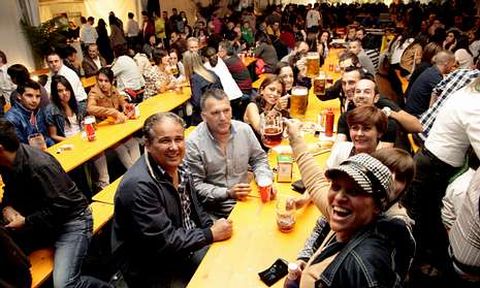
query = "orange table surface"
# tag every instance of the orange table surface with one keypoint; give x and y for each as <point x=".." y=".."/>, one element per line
<point x="108" y="135"/>
<point x="88" y="81"/>
<point x="248" y="60"/>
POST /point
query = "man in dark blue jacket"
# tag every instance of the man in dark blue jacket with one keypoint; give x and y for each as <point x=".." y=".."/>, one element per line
<point x="159" y="225"/>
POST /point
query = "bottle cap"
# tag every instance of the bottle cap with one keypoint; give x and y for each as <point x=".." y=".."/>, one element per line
<point x="292" y="267"/>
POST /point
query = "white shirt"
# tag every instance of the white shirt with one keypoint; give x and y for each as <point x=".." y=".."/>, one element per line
<point x="72" y="77"/>
<point x="6" y="84"/>
<point x="74" y="127"/>
<point x="229" y="85"/>
<point x="132" y="28"/>
<point x="127" y="73"/>
<point x="456" y="128"/>
<point x="341" y="151"/>
<point x="142" y="62"/>
<point x="97" y="62"/>
<point x="88" y="34"/>
<point x="313" y="18"/>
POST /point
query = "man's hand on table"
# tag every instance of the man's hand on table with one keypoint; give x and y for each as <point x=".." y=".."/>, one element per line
<point x="221" y="229"/>
<point x="239" y="191"/>
<point x="293" y="127"/>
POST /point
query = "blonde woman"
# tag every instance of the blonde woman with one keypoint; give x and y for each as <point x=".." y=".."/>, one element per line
<point x="200" y="80"/>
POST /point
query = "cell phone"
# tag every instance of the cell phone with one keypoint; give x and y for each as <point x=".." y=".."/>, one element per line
<point x="277" y="271"/>
<point x="298" y="186"/>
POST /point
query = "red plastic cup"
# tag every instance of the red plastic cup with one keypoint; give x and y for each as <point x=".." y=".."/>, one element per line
<point x="265" y="189"/>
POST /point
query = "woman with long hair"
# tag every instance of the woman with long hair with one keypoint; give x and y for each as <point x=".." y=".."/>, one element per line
<point x="64" y="119"/>
<point x="266" y="52"/>
<point x="103" y="41"/>
<point x="157" y="78"/>
<point x="200" y="80"/>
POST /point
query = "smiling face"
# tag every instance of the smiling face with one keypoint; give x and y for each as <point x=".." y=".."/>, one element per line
<point x="324" y="37"/>
<point x="365" y="93"/>
<point x="272" y="92"/>
<point x="217" y="114"/>
<point x="93" y="51"/>
<point x="364" y="137"/>
<point x="173" y="58"/>
<point x="349" y="80"/>
<point x="168" y="145"/>
<point x="350" y="207"/>
<point x="63" y="93"/>
<point x="286" y="74"/>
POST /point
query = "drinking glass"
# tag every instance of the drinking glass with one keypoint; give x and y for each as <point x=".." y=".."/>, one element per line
<point x="271" y="126"/>
<point x="285" y="213"/>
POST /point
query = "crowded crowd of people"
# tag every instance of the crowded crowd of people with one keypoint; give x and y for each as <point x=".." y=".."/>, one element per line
<point x="392" y="216"/>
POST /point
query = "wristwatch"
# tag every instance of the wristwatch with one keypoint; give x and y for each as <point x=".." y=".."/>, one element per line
<point x="387" y="111"/>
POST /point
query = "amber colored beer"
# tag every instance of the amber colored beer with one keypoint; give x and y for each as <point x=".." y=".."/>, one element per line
<point x="272" y="136"/>
<point x="313" y="64"/>
<point x="298" y="102"/>
<point x="319" y="85"/>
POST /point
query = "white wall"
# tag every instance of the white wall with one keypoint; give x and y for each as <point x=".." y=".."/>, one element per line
<point x="13" y="42"/>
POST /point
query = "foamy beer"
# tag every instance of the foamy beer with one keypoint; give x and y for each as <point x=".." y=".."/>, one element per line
<point x="313" y="64"/>
<point x="319" y="84"/>
<point x="298" y="102"/>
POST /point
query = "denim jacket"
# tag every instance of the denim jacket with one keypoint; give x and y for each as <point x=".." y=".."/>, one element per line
<point x="19" y="116"/>
<point x="380" y="255"/>
<point x="56" y="117"/>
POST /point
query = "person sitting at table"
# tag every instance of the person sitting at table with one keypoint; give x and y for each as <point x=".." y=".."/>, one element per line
<point x="55" y="64"/>
<point x="402" y="166"/>
<point x="27" y="116"/>
<point x="366" y="125"/>
<point x="42" y="207"/>
<point x="104" y="101"/>
<point x="216" y="65"/>
<point x="266" y="52"/>
<point x="176" y="66"/>
<point x="64" y="119"/>
<point x="159" y="225"/>
<point x="272" y="91"/>
<point x="357" y="250"/>
<point x="356" y="48"/>
<point x="235" y="65"/>
<point x="200" y="79"/>
<point x="157" y="78"/>
<point x="219" y="153"/>
<point x="71" y="61"/>
<point x="92" y="61"/>
<point x="19" y="74"/>
<point x="292" y="76"/>
<point x="127" y="73"/>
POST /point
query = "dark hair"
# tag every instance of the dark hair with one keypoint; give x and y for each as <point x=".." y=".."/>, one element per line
<point x="227" y="45"/>
<point x="107" y="72"/>
<point x="269" y="80"/>
<point x="69" y="51"/>
<point x="3" y="57"/>
<point x="400" y="163"/>
<point x="59" y="79"/>
<point x="53" y="51"/>
<point x="8" y="137"/>
<point x="263" y="37"/>
<point x="349" y="55"/>
<point x="158" y="54"/>
<point x="18" y="73"/>
<point x="156" y="118"/>
<point x="368" y="115"/>
<point x="29" y="83"/>
<point x="130" y="15"/>
<point x="280" y="65"/>
<point x="83" y="20"/>
<point x="429" y="51"/>
<point x="212" y="93"/>
<point x="91" y="19"/>
<point x="120" y="50"/>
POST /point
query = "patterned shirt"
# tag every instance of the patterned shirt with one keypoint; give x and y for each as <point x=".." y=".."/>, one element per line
<point x="452" y="83"/>
<point x="155" y="79"/>
<point x="185" y="202"/>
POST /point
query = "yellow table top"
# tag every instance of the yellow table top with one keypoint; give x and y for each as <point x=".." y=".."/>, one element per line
<point x="107" y="135"/>
<point x="248" y="60"/>
<point x="256" y="241"/>
<point x="88" y="81"/>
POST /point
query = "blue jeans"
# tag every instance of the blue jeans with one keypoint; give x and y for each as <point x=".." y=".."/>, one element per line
<point x="71" y="247"/>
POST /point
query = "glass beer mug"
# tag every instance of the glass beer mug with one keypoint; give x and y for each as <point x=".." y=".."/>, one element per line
<point x="298" y="102"/>
<point x="271" y="128"/>
<point x="313" y="64"/>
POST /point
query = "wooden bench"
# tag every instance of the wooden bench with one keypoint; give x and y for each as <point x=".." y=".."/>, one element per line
<point x="42" y="260"/>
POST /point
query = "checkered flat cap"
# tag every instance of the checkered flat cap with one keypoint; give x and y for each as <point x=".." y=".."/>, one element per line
<point x="370" y="174"/>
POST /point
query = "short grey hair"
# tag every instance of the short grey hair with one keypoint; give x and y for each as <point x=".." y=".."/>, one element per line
<point x="212" y="93"/>
<point x="155" y="119"/>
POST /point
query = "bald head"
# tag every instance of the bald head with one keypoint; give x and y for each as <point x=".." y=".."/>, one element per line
<point x="445" y="61"/>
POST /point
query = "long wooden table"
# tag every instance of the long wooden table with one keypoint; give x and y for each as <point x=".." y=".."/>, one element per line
<point x="256" y="241"/>
<point x="108" y="135"/>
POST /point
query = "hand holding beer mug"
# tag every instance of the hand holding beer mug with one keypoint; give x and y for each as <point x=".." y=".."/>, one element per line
<point x="37" y="140"/>
<point x="298" y="102"/>
<point x="271" y="128"/>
